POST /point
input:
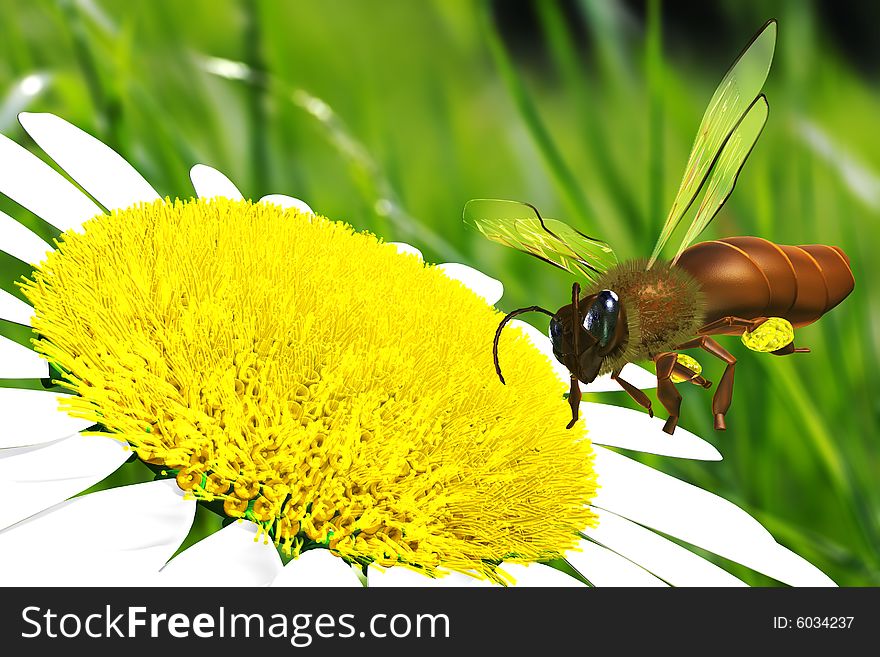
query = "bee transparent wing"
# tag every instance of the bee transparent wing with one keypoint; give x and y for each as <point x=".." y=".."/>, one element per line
<point x="520" y="226"/>
<point x="725" y="172"/>
<point x="730" y="102"/>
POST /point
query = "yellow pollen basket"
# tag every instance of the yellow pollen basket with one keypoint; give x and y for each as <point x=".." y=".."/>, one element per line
<point x="689" y="362"/>
<point x="771" y="335"/>
<point x="313" y="380"/>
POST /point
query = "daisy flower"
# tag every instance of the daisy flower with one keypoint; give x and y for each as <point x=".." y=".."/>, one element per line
<point x="330" y="396"/>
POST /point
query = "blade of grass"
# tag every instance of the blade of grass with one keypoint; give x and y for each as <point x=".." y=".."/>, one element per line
<point x="24" y="92"/>
<point x="825" y="446"/>
<point x="562" y="175"/>
<point x="257" y="100"/>
<point x="106" y="106"/>
<point x="379" y="190"/>
<point x="604" y="22"/>
<point x="821" y="547"/>
<point x="574" y="77"/>
<point x="655" y="71"/>
<point x="386" y="199"/>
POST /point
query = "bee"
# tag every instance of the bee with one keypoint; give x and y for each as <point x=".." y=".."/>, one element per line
<point x="652" y="309"/>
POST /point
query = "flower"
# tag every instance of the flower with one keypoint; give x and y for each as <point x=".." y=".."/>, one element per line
<point x="315" y="385"/>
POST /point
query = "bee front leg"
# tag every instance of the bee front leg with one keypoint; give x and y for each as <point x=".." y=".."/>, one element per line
<point x="666" y="390"/>
<point x="574" y="400"/>
<point x="638" y="396"/>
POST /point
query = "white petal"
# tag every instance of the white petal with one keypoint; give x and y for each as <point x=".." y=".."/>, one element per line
<point x="317" y="568"/>
<point x="623" y="427"/>
<point x="14" y="309"/>
<point x="32" y="183"/>
<point x="631" y="373"/>
<point x="603" y="567"/>
<point x="537" y="574"/>
<point x="117" y="537"/>
<point x="16" y="360"/>
<point x="679" y="509"/>
<point x="662" y="557"/>
<point x="39" y="477"/>
<point x="209" y="182"/>
<point x="31" y="417"/>
<point x="542" y="344"/>
<point x="229" y="557"/>
<point x="476" y="281"/>
<point x="19" y="362"/>
<point x="403" y="247"/>
<point x="287" y="202"/>
<point x="406" y="577"/>
<point x="18" y="240"/>
<point x="100" y="170"/>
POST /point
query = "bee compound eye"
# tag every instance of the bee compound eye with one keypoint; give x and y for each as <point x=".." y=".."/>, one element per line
<point x="555" y="332"/>
<point x="610" y="300"/>
<point x="600" y="319"/>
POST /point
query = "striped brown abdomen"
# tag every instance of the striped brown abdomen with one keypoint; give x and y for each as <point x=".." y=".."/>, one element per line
<point x="752" y="277"/>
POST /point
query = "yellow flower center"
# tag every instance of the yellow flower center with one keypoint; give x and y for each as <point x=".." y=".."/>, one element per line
<point x="313" y="380"/>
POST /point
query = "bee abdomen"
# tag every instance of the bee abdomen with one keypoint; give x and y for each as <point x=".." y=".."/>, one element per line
<point x="752" y="277"/>
<point x="836" y="282"/>
<point x="732" y="282"/>
<point x="778" y="270"/>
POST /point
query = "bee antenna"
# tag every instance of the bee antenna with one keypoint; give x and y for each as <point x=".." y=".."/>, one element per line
<point x="507" y="318"/>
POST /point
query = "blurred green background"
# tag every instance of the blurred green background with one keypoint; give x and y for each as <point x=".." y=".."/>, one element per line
<point x="392" y="114"/>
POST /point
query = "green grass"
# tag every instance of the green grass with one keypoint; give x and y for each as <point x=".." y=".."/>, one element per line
<point x="429" y="106"/>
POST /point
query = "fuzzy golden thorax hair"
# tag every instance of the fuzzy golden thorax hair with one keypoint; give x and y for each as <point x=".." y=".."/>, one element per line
<point x="664" y="307"/>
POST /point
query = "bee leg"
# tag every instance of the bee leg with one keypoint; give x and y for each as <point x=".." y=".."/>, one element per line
<point x="666" y="390"/>
<point x="687" y="374"/>
<point x="724" y="391"/>
<point x="724" y="322"/>
<point x="790" y="349"/>
<point x="574" y="400"/>
<point x="638" y="396"/>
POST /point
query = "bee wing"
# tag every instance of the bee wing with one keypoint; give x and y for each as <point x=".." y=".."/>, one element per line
<point x="726" y="170"/>
<point x="731" y="101"/>
<point x="520" y="226"/>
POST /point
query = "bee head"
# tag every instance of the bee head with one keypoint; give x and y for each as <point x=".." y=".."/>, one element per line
<point x="583" y="334"/>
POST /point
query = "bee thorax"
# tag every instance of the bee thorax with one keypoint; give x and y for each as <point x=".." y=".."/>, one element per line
<point x="664" y="307"/>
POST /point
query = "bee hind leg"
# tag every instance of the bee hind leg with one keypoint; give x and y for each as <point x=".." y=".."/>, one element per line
<point x="666" y="390"/>
<point x="790" y="349"/>
<point x="724" y="392"/>
<point x="719" y="325"/>
<point x="687" y="374"/>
